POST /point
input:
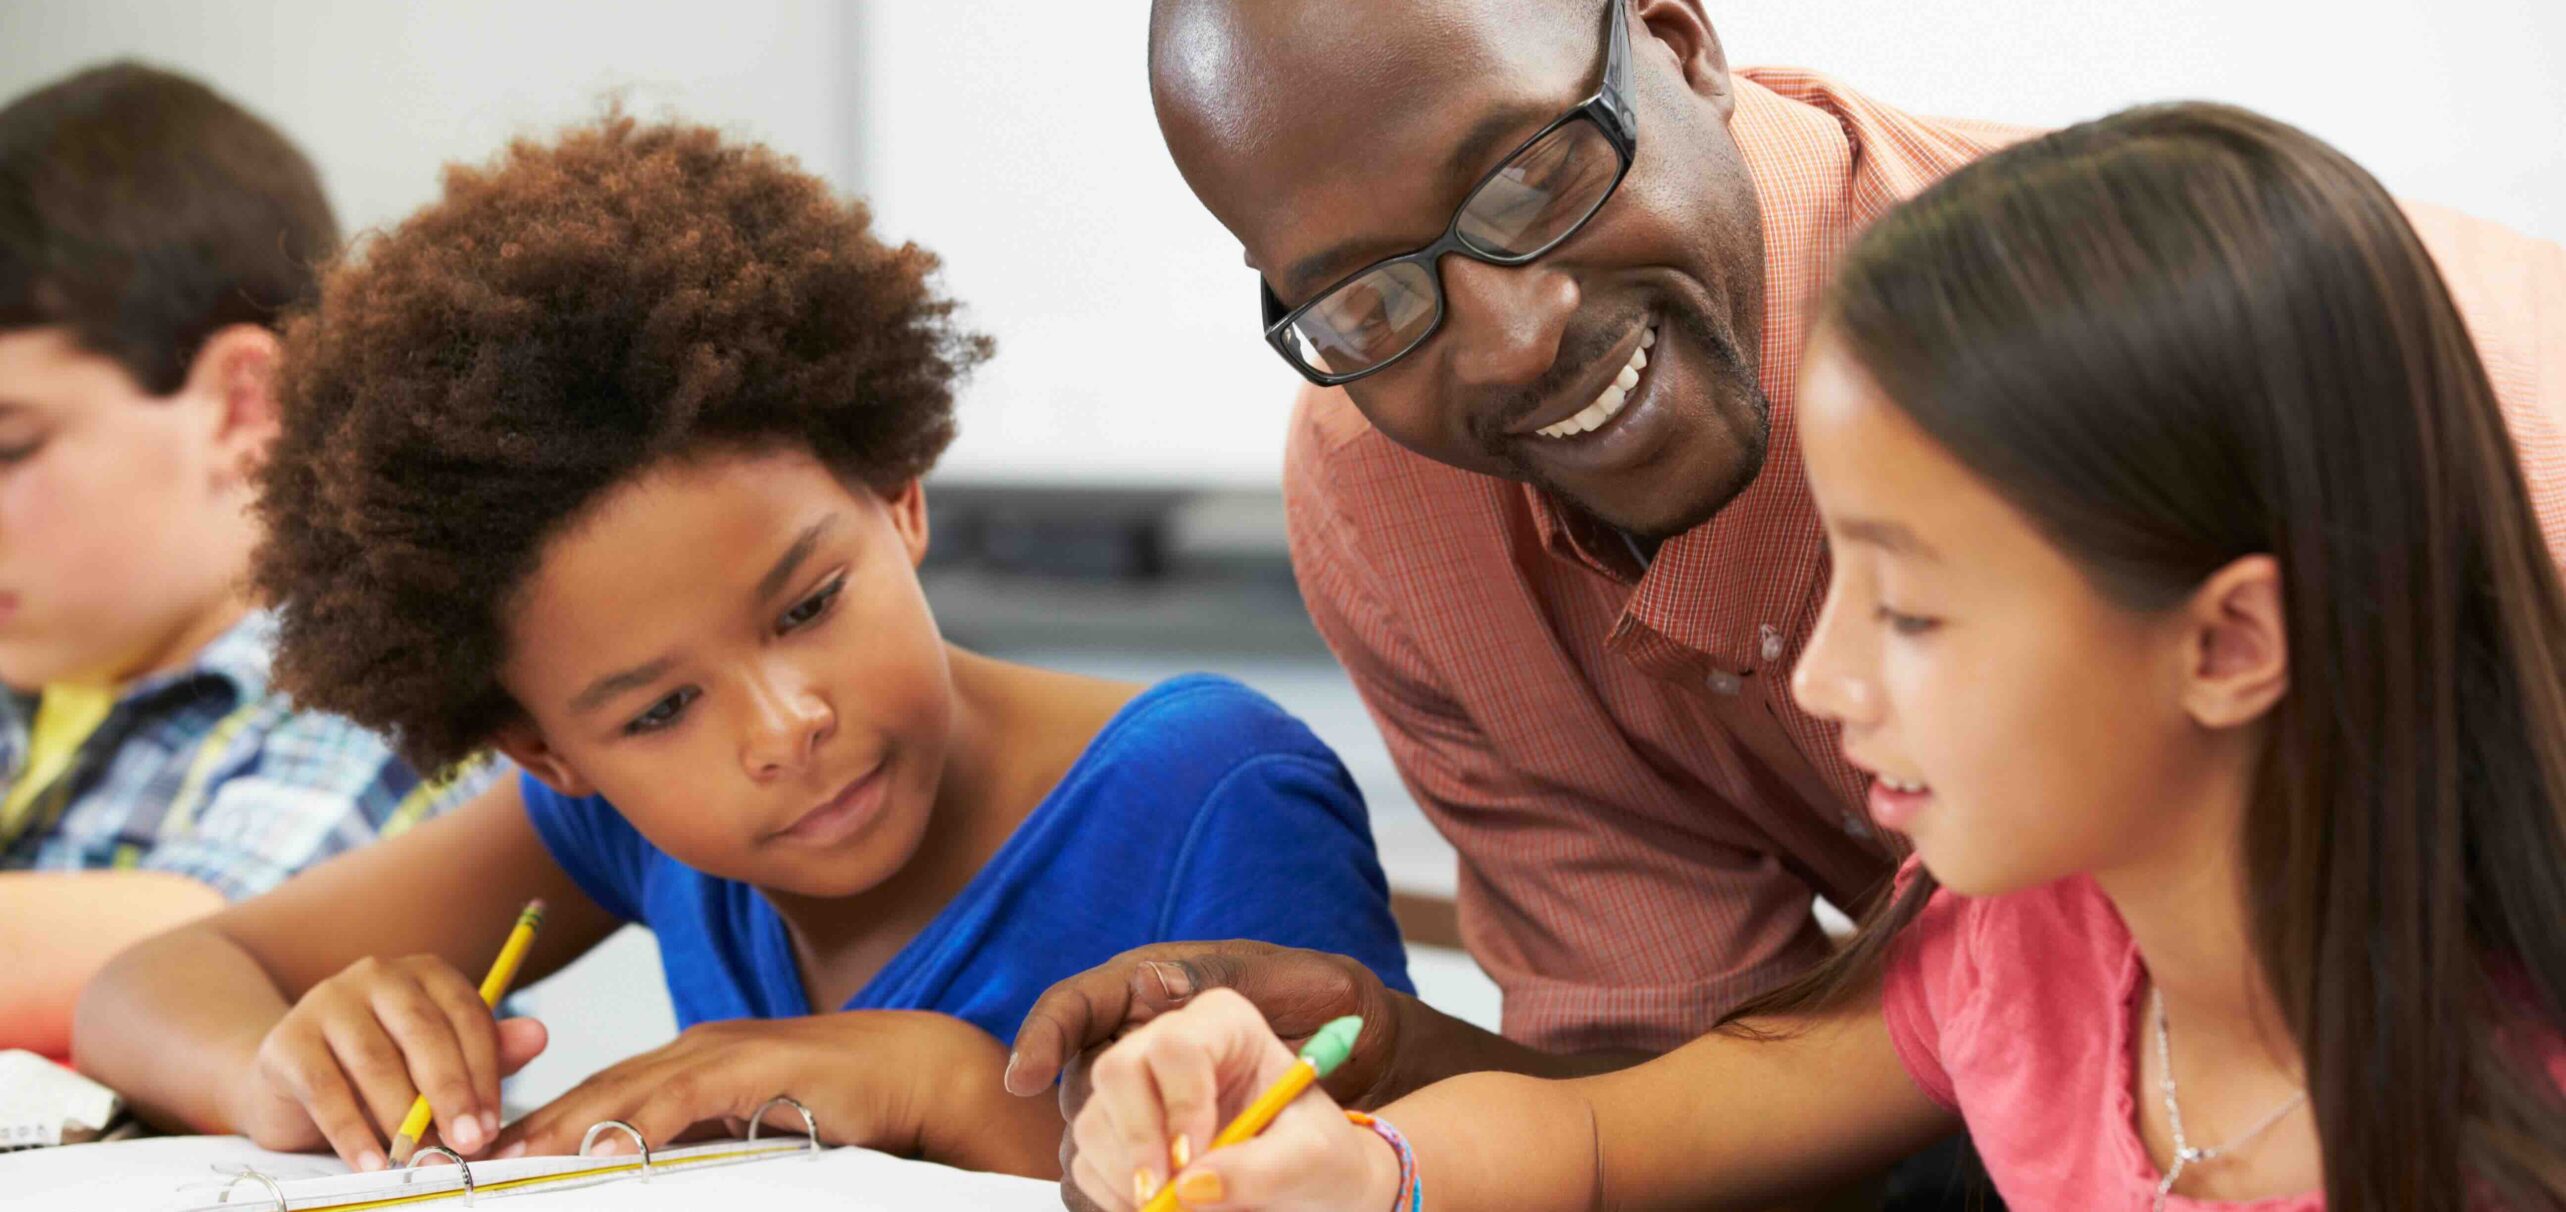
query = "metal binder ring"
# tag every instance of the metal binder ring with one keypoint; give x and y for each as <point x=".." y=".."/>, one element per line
<point x="274" y="1192"/>
<point x="810" y="1126"/>
<point x="411" y="1170"/>
<point x="629" y="1130"/>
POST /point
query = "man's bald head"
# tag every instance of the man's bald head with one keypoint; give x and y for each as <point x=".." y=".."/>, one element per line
<point x="1326" y="135"/>
<point x="1227" y="66"/>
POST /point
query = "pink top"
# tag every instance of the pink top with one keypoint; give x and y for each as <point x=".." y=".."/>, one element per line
<point x="2017" y="1012"/>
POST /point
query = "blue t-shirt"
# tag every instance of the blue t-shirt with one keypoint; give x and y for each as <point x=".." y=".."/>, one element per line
<point x="1201" y="811"/>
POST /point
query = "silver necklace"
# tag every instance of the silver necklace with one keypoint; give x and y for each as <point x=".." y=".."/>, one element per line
<point x="2185" y="1155"/>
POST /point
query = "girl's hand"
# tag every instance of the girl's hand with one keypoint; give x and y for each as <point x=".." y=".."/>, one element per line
<point x="904" y="1082"/>
<point x="1163" y="1092"/>
<point x="344" y="1065"/>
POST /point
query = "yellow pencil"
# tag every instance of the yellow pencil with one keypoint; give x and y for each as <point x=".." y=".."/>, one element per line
<point x="493" y="987"/>
<point x="1326" y="1050"/>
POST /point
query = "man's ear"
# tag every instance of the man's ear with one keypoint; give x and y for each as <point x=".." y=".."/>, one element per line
<point x="234" y="372"/>
<point x="1682" y="27"/>
<point x="908" y="508"/>
<point x="2238" y="644"/>
<point x="525" y="745"/>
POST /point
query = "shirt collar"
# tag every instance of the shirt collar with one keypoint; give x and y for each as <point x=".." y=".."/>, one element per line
<point x="236" y="662"/>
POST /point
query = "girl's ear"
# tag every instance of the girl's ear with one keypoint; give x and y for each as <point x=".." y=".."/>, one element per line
<point x="908" y="507"/>
<point x="2238" y="647"/>
<point x="525" y="745"/>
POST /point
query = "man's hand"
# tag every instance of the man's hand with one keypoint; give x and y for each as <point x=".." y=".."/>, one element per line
<point x="1297" y="991"/>
<point x="904" y="1082"/>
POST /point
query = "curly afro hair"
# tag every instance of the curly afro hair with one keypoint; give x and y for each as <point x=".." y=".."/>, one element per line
<point x="562" y="320"/>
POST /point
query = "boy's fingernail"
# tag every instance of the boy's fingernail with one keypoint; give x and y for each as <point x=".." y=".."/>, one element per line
<point x="1007" y="1076"/>
<point x="1144" y="1185"/>
<point x="515" y="1150"/>
<point x="490" y="1125"/>
<point x="1180" y="1150"/>
<point x="369" y="1160"/>
<point x="467" y="1133"/>
<point x="1199" y="1187"/>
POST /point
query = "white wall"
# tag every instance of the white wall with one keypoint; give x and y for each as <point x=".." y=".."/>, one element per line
<point x="380" y="94"/>
<point x="1014" y="137"/>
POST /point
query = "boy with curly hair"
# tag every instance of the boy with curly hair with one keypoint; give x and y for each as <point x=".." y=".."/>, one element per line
<point x="150" y="231"/>
<point x="610" y="459"/>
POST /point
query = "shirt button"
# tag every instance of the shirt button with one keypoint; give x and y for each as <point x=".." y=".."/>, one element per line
<point x="1855" y="825"/>
<point x="1772" y="637"/>
<point x="1723" y="682"/>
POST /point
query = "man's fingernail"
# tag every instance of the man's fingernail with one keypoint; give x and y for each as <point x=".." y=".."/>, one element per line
<point x="1172" y="980"/>
<point x="467" y="1133"/>
<point x="1144" y="1185"/>
<point x="1007" y="1077"/>
<point x="1180" y="1150"/>
<point x="1199" y="1187"/>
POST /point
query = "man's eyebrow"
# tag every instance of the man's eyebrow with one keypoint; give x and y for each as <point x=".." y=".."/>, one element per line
<point x="1889" y="536"/>
<point x="774" y="580"/>
<point x="1468" y="161"/>
<point x="619" y="682"/>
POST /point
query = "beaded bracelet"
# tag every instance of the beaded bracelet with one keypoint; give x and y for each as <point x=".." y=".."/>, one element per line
<point x="1411" y="1193"/>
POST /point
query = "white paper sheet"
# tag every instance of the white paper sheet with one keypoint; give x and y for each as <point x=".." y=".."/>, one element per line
<point x="172" y="1173"/>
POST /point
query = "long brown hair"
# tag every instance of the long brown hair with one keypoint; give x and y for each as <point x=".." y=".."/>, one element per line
<point x="2184" y="334"/>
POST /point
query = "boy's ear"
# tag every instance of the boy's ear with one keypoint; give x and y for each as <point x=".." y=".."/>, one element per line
<point x="908" y="507"/>
<point x="236" y="371"/>
<point x="525" y="745"/>
<point x="2239" y="644"/>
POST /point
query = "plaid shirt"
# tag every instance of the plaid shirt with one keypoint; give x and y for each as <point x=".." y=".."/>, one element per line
<point x="1642" y="811"/>
<point x="208" y="772"/>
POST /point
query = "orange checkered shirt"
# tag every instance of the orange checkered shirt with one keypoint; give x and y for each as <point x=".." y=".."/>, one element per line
<point x="1642" y="812"/>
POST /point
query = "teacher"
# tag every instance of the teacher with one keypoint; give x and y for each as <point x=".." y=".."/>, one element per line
<point x="1547" y="267"/>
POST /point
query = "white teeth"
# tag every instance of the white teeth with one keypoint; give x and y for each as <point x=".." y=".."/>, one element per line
<point x="1902" y="788"/>
<point x="1609" y="402"/>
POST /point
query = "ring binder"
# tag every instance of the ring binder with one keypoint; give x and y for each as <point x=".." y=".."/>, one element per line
<point x="635" y="1133"/>
<point x="810" y="1126"/>
<point x="274" y="1192"/>
<point x="418" y="1186"/>
<point x="409" y="1171"/>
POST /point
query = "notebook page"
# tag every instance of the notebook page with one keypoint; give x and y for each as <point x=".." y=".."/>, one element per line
<point x="839" y="1180"/>
<point x="171" y="1174"/>
<point x="161" y="1172"/>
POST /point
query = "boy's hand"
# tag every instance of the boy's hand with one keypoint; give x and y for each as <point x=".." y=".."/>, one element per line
<point x="344" y="1065"/>
<point x="1182" y="1077"/>
<point x="905" y="1082"/>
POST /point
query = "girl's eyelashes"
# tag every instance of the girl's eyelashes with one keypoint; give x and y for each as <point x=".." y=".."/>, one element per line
<point x="811" y="608"/>
<point x="1905" y="624"/>
<point x="663" y="713"/>
<point x="20" y="453"/>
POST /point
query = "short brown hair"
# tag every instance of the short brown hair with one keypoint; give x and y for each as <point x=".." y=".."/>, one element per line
<point x="563" y="320"/>
<point x="143" y="211"/>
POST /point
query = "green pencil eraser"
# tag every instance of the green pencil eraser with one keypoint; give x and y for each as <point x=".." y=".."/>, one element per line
<point x="1333" y="1043"/>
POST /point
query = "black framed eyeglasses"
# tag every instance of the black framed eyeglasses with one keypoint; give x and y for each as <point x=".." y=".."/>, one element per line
<point x="1532" y="202"/>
